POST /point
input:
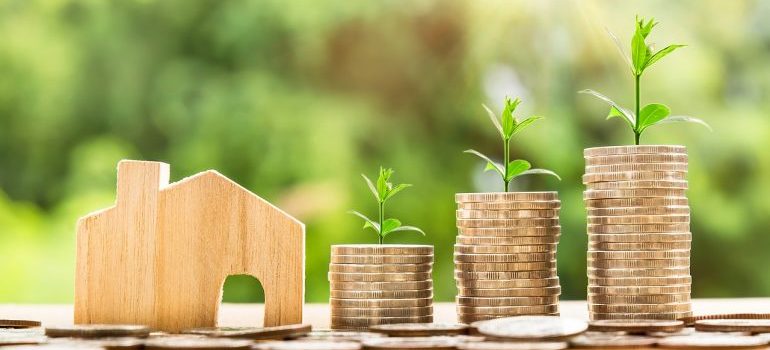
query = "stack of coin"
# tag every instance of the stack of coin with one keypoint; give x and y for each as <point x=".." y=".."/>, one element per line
<point x="638" y="232"/>
<point x="380" y="284"/>
<point x="505" y="256"/>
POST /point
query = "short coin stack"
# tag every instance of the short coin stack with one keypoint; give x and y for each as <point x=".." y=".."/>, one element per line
<point x="380" y="284"/>
<point x="638" y="232"/>
<point x="505" y="256"/>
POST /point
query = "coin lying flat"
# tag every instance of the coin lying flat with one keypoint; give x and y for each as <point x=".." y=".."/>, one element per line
<point x="638" y="299"/>
<point x="121" y="343"/>
<point x="308" y="345"/>
<point x="380" y="303"/>
<point x="504" y="249"/>
<point x="713" y="342"/>
<point x="662" y="210"/>
<point x="644" y="272"/>
<point x="506" y="301"/>
<point x="639" y="264"/>
<point x="630" y="289"/>
<point x="592" y="169"/>
<point x="639" y="308"/>
<point x="638" y="219"/>
<point x="380" y="268"/>
<point x="378" y="286"/>
<point x="619" y="185"/>
<point x="382" y="249"/>
<point x="434" y="343"/>
<point x="379" y="277"/>
<point x="506" y="197"/>
<point x="633" y="149"/>
<point x="381" y="294"/>
<point x="733" y="325"/>
<point x="382" y="312"/>
<point x="497" y="258"/>
<point x="513" y="205"/>
<point x="639" y="246"/>
<point x="532" y="327"/>
<point x="504" y="223"/>
<point x="98" y="331"/>
<point x="508" y="310"/>
<point x="366" y="321"/>
<point x="19" y="323"/>
<point x="659" y="158"/>
<point x="7" y="340"/>
<point x="640" y="316"/>
<point x="277" y="332"/>
<point x="202" y="343"/>
<point x="420" y="329"/>
<point x="747" y="316"/>
<point x="612" y="341"/>
<point x="381" y="259"/>
<point x="636" y="326"/>
<point x="525" y="266"/>
<point x="508" y="240"/>
<point x="650" y="228"/>
<point x="506" y="214"/>
<point x="659" y="237"/>
<point x="643" y="202"/>
<point x="491" y="345"/>
<point x="654" y="255"/>
<point x="639" y="281"/>
<point x="495" y="283"/>
<point x="504" y="275"/>
<point x="511" y="292"/>
<point x="509" y="231"/>
<point x="634" y="176"/>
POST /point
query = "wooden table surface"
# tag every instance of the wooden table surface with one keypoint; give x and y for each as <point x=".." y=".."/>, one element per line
<point x="318" y="314"/>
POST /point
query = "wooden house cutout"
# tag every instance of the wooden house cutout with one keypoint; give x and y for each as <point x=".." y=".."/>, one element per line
<point x="160" y="255"/>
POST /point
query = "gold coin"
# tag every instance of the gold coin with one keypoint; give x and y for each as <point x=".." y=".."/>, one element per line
<point x="504" y="258"/>
<point x="662" y="210"/>
<point x="382" y="249"/>
<point x="638" y="299"/>
<point x="639" y="316"/>
<point x="659" y="158"/>
<point x="508" y="240"/>
<point x="690" y="321"/>
<point x="380" y="303"/>
<point x="510" y="292"/>
<point x="629" y="289"/>
<point x="504" y="249"/>
<point x="635" y="193"/>
<point x="622" y="185"/>
<point x="506" y="214"/>
<point x="640" y="308"/>
<point x="421" y="329"/>
<point x="340" y="322"/>
<point x="635" y="176"/>
<point x="493" y="223"/>
<point x="633" y="149"/>
<point x="649" y="272"/>
<point x="508" y="283"/>
<point x="636" y="202"/>
<point x="379" y="277"/>
<point x="389" y="343"/>
<point x="647" y="255"/>
<point x="381" y="312"/>
<point x="733" y="325"/>
<point x="612" y="341"/>
<point x="595" y="169"/>
<point x="504" y="275"/>
<point x="526" y="266"/>
<point x="654" y="237"/>
<point x="638" y="219"/>
<point x="509" y="231"/>
<point x="726" y="341"/>
<point x="506" y="197"/>
<point x="411" y="285"/>
<point x="532" y="328"/>
<point x="508" y="310"/>
<point x="639" y="246"/>
<point x="194" y="343"/>
<point x="382" y="294"/>
<point x="380" y="268"/>
<point x="638" y="264"/>
<point x="503" y="345"/>
<point x="97" y="331"/>
<point x="253" y="333"/>
<point x="528" y="205"/>
<point x="636" y="327"/>
<point x="381" y="259"/>
<point x="506" y="301"/>
<point x="649" y="228"/>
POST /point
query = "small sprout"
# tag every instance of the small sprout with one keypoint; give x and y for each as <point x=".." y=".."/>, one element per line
<point x="507" y="126"/>
<point x="642" y="57"/>
<point x="382" y="191"/>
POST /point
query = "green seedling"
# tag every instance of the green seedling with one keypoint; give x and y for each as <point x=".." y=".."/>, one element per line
<point x="509" y="125"/>
<point x="642" y="57"/>
<point x="383" y="191"/>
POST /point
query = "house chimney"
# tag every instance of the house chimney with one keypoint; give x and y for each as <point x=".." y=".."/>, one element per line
<point x="139" y="183"/>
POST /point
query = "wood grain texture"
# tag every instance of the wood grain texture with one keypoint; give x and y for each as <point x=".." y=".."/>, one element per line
<point x="160" y="256"/>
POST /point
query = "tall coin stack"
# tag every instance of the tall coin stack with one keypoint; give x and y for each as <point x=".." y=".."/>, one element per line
<point x="380" y="284"/>
<point x="638" y="232"/>
<point x="505" y="256"/>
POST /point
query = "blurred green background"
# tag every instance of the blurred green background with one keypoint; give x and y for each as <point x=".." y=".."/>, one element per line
<point x="294" y="99"/>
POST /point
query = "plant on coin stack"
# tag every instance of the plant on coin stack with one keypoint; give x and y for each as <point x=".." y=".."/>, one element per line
<point x="382" y="191"/>
<point x="508" y="126"/>
<point x="643" y="57"/>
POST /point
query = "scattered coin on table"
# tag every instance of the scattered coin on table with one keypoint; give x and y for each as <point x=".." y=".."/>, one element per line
<point x="434" y="343"/>
<point x="18" y="323"/>
<point x="420" y="329"/>
<point x="689" y="321"/>
<point x="713" y="342"/>
<point x="98" y="331"/>
<point x="308" y="345"/>
<point x="196" y="343"/>
<point x="335" y="335"/>
<point x="494" y="345"/>
<point x="733" y="325"/>
<point x="121" y="343"/>
<point x="612" y="341"/>
<point x="255" y="333"/>
<point x="532" y="327"/>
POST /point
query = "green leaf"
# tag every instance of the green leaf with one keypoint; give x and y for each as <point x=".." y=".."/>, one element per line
<point x="525" y="123"/>
<point x="686" y="119"/>
<point x="643" y="28"/>
<point x="651" y="114"/>
<point x="493" y="117"/>
<point x="509" y="121"/>
<point x="389" y="225"/>
<point x="639" y="52"/>
<point x="382" y="182"/>
<point x="371" y="187"/>
<point x="408" y="228"/>
<point x="541" y="172"/>
<point x="615" y="113"/>
<point x="491" y="165"/>
<point x="516" y="167"/>
<point x="622" y="52"/>
<point x="367" y="222"/>
<point x="660" y="54"/>
<point x="628" y="115"/>
<point x="396" y="189"/>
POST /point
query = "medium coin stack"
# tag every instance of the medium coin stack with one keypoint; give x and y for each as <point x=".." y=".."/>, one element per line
<point x="638" y="232"/>
<point x="380" y="284"/>
<point x="505" y="256"/>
